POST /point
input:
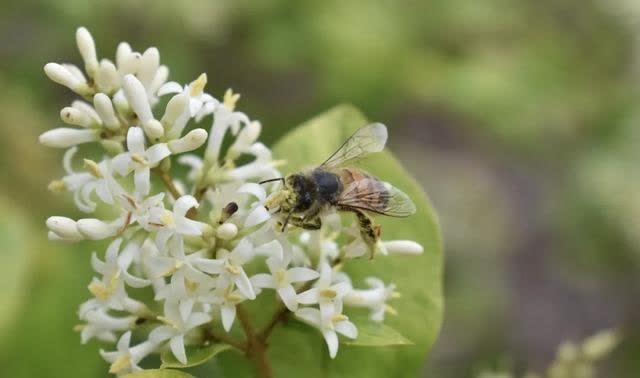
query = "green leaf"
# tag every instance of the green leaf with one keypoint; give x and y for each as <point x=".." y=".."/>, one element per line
<point x="159" y="373"/>
<point x="196" y="355"/>
<point x="418" y="278"/>
<point x="376" y="334"/>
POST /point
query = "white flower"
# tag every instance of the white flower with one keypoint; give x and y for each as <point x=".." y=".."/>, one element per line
<point x="232" y="271"/>
<point x="65" y="137"/>
<point x="227" y="298"/>
<point x="224" y="118"/>
<point x="281" y="279"/>
<point x="176" y="223"/>
<point x="176" y="328"/>
<point x="329" y="325"/>
<point x="325" y="293"/>
<point x="374" y="298"/>
<point x="126" y="358"/>
<point x="98" y="179"/>
<point x="194" y="92"/>
<point x="101" y="325"/>
<point x="109" y="292"/>
<point x="139" y="159"/>
<point x="63" y="228"/>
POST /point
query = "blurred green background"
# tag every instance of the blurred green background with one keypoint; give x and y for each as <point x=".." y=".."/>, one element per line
<point x="520" y="118"/>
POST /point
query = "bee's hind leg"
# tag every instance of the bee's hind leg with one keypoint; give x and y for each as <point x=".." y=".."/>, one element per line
<point x="369" y="231"/>
<point x="314" y="223"/>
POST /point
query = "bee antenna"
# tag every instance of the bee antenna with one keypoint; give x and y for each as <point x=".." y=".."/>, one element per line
<point x="271" y="180"/>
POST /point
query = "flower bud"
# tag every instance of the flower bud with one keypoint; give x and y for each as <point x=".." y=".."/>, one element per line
<point x="87" y="49"/>
<point x="403" y="247"/>
<point x="95" y="229"/>
<point x="149" y="63"/>
<point x="137" y="97"/>
<point x="176" y="115"/>
<point x="63" y="76"/>
<point x="63" y="227"/>
<point x="64" y="137"/>
<point x="191" y="141"/>
<point x="73" y="116"/>
<point x="107" y="78"/>
<point x="127" y="60"/>
<point x="227" y="231"/>
<point x="153" y="129"/>
<point x="105" y="111"/>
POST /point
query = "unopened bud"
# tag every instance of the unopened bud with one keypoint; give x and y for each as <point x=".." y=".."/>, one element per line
<point x="96" y="229"/>
<point x="227" y="231"/>
<point x="191" y="141"/>
<point x="104" y="108"/>
<point x="153" y="129"/>
<point x="65" y="228"/>
<point x="107" y="78"/>
<point x="87" y="49"/>
<point x="403" y="247"/>
<point x="63" y="76"/>
<point x="136" y="95"/>
<point x="64" y="137"/>
<point x="73" y="116"/>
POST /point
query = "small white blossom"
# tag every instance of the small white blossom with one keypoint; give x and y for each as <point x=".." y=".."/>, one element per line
<point x="327" y="294"/>
<point x="125" y="358"/>
<point x="103" y="326"/>
<point x="282" y="279"/>
<point x="374" y="298"/>
<point x="329" y="325"/>
<point x="176" y="328"/>
<point x="140" y="159"/>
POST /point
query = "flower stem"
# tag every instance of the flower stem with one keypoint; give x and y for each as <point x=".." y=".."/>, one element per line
<point x="256" y="348"/>
<point x="168" y="183"/>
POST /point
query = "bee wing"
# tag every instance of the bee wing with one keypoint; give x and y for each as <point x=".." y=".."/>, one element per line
<point x="370" y="194"/>
<point x="366" y="140"/>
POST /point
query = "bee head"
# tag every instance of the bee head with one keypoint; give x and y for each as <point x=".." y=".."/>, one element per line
<point x="303" y="190"/>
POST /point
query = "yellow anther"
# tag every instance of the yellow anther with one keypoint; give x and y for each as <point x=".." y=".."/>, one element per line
<point x="230" y="99"/>
<point x="167" y="321"/>
<point x="139" y="159"/>
<point x="232" y="269"/>
<point x="233" y="297"/>
<point x="339" y="318"/>
<point x="167" y="218"/>
<point x="328" y="293"/>
<point x="191" y="286"/>
<point x="93" y="168"/>
<point x="390" y="310"/>
<point x="197" y="86"/>
<point x="99" y="290"/>
<point x="121" y="363"/>
<point x="57" y="186"/>
<point x="281" y="277"/>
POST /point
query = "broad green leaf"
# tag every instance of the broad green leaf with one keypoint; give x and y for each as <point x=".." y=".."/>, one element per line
<point x="159" y="373"/>
<point x="418" y="278"/>
<point x="196" y="355"/>
<point x="375" y="335"/>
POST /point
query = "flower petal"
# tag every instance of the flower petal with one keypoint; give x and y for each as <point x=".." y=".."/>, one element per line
<point x="177" y="348"/>
<point x="141" y="179"/>
<point x="135" y="140"/>
<point x="331" y="338"/>
<point x="309" y="297"/>
<point x="347" y="329"/>
<point x="288" y="296"/>
<point x="157" y="152"/>
<point x="301" y="274"/>
<point x="244" y="285"/>
<point x="228" y="314"/>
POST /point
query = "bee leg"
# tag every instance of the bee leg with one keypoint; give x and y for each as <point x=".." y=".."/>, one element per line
<point x="370" y="232"/>
<point x="307" y="224"/>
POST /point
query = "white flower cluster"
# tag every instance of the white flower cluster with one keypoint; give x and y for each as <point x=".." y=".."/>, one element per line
<point x="186" y="247"/>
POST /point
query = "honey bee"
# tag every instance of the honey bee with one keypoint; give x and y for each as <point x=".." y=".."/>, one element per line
<point x="307" y="195"/>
